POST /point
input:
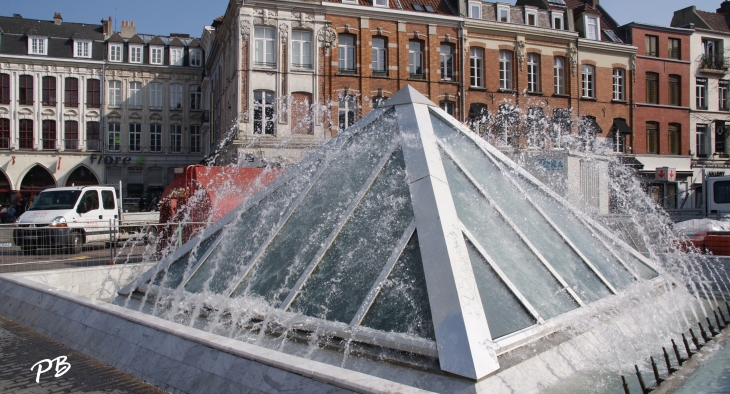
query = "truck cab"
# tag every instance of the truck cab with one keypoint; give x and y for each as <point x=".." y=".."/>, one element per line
<point x="68" y="217"/>
<point x="717" y="200"/>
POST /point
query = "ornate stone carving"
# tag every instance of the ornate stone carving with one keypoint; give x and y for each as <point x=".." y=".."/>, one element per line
<point x="573" y="58"/>
<point x="264" y="17"/>
<point x="302" y="21"/>
<point x="284" y="33"/>
<point x="520" y="51"/>
<point x="245" y="30"/>
<point x="632" y="66"/>
<point x="327" y="36"/>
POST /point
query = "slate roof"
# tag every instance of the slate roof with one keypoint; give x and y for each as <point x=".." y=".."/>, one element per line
<point x="33" y="27"/>
<point x="440" y="7"/>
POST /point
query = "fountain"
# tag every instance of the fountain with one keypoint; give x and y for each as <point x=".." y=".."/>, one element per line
<point x="406" y="253"/>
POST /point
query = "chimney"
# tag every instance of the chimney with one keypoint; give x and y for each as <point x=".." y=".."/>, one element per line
<point x="106" y="27"/>
<point x="57" y="18"/>
<point x="128" y="29"/>
<point x="17" y="16"/>
<point x="724" y="7"/>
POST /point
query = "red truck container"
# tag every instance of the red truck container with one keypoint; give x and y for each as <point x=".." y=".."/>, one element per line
<point x="199" y="195"/>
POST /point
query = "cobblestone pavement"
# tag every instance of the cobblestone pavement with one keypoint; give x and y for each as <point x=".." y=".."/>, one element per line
<point x="21" y="348"/>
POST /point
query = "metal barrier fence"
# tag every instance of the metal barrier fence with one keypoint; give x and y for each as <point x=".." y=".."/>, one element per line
<point x="44" y="246"/>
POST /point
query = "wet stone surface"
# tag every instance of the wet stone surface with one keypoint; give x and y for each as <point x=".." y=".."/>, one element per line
<point x="21" y="348"/>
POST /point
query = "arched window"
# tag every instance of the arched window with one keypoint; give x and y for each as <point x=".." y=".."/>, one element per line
<point x="476" y="66"/>
<point x="415" y="58"/>
<point x="346" y="112"/>
<point x="82" y="176"/>
<point x="346" y="53"/>
<point x="263" y="112"/>
<point x="505" y="70"/>
<point x="37" y="179"/>
<point x="533" y="72"/>
<point x="589" y="81"/>
<point x="301" y="113"/>
<point x="380" y="51"/>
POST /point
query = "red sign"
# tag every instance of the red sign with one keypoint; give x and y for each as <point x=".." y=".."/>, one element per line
<point x="666" y="174"/>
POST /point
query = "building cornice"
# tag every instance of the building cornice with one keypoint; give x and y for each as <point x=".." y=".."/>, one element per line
<point x="663" y="59"/>
<point x="710" y="31"/>
<point x="388" y="14"/>
<point x="666" y="29"/>
<point x="511" y="29"/>
<point x="36" y="59"/>
<point x="606" y="46"/>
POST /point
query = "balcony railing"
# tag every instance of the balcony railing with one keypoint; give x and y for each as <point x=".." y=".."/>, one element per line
<point x="49" y="144"/>
<point x="70" y="144"/>
<point x="710" y="62"/>
<point x="4" y="143"/>
<point x="93" y="145"/>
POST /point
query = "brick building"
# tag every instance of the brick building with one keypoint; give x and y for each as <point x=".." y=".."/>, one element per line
<point x="661" y="135"/>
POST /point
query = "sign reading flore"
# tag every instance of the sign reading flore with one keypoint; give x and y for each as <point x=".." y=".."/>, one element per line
<point x="666" y="174"/>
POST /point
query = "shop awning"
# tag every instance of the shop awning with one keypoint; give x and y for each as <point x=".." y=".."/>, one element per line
<point x="620" y="125"/>
<point x="590" y="125"/>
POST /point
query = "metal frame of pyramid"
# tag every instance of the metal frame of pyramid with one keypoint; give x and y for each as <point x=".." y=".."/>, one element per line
<point x="463" y="342"/>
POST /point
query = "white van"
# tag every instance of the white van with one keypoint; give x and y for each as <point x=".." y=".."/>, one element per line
<point x="69" y="217"/>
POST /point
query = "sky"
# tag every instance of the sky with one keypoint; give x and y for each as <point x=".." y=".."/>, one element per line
<point x="163" y="17"/>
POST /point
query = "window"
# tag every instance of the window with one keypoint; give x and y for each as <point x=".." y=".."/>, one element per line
<point x="346" y="53"/>
<point x="415" y="59"/>
<point x="592" y="28"/>
<point x="176" y="96"/>
<point x="4" y="133"/>
<point x="618" y="84"/>
<point x="25" y="135"/>
<point x="93" y="136"/>
<point x="156" y="55"/>
<point x="701" y="93"/>
<point x="652" y="88"/>
<point x="302" y="113"/>
<point x="135" y="137"/>
<point x="175" y="138"/>
<point x="531" y="18"/>
<point x="196" y="98"/>
<point x="673" y="134"/>
<point x="701" y="140"/>
<point x="559" y="74"/>
<point x="722" y="87"/>
<point x="588" y="81"/>
<point x="264" y="40"/>
<point x="196" y="140"/>
<point x="475" y="10"/>
<point x="115" y="94"/>
<point x="90" y="200"/>
<point x="380" y="50"/>
<point x="533" y="72"/>
<point x="346" y="112"/>
<point x="37" y="45"/>
<point x="25" y="90"/>
<point x="115" y="52"/>
<point x="503" y="13"/>
<point x="115" y="139"/>
<point x="674" y="50"/>
<point x="675" y="96"/>
<point x="107" y="198"/>
<point x="505" y="70"/>
<point x="71" y="135"/>
<point x="301" y="49"/>
<point x="49" y="134"/>
<point x="135" y="94"/>
<point x="557" y="21"/>
<point x="71" y="92"/>
<point x="155" y="137"/>
<point x="476" y="65"/>
<point x="650" y="45"/>
<point x="135" y="54"/>
<point x="82" y="49"/>
<point x="156" y="96"/>
<point x="263" y="112"/>
<point x="447" y="62"/>
<point x="447" y="106"/>
<point x="380" y="3"/>
<point x="652" y="138"/>
<point x="48" y="96"/>
<point x="4" y="88"/>
<point x="93" y="93"/>
<point x="196" y="58"/>
<point x="176" y="56"/>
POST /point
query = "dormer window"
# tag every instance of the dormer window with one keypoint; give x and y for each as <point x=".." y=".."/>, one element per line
<point x="82" y="49"/>
<point x="115" y="52"/>
<point x="591" y="24"/>
<point x="380" y="3"/>
<point x="37" y="45"/>
<point x="156" y="54"/>
<point x="503" y="13"/>
<point x="531" y="18"/>
<point x="558" y="21"/>
<point x="135" y="53"/>
<point x="475" y="10"/>
<point x="196" y="58"/>
<point x="176" y="56"/>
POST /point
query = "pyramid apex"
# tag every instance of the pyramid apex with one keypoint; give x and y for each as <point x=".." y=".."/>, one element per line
<point x="408" y="95"/>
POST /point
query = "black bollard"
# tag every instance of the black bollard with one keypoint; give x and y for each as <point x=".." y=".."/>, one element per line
<point x="626" y="386"/>
<point x="641" y="380"/>
<point x="680" y="360"/>
<point x="686" y="345"/>
<point x="670" y="370"/>
<point x="656" y="372"/>
<point x="703" y="333"/>
<point x="712" y="329"/>
<point x="720" y="325"/>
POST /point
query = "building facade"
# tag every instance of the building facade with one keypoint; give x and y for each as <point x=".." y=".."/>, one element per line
<point x="81" y="104"/>
<point x="661" y="116"/>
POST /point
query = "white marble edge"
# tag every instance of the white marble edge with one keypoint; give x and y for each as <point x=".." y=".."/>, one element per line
<point x="336" y="376"/>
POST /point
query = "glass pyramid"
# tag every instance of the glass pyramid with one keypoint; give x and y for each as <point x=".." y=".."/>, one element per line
<point x="413" y="233"/>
